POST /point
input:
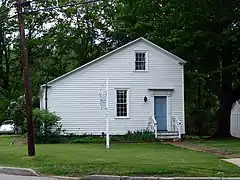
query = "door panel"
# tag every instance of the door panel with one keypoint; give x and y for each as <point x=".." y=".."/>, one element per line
<point x="160" y="112"/>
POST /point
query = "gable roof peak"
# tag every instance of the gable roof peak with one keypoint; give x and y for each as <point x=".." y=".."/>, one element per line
<point x="180" y="61"/>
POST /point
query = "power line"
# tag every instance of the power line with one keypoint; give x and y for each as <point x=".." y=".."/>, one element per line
<point x="59" y="7"/>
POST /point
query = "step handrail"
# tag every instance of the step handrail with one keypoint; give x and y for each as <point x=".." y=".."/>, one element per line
<point x="152" y="125"/>
<point x="177" y="124"/>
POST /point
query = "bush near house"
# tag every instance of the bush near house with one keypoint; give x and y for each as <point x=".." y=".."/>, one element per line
<point x="88" y="139"/>
<point x="137" y="136"/>
<point x="47" y="125"/>
<point x="16" y="110"/>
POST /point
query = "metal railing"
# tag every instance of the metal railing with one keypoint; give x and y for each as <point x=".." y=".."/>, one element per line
<point x="176" y="125"/>
<point x="152" y="125"/>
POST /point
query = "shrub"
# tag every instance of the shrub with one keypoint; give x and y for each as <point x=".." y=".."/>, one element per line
<point x="88" y="139"/>
<point x="137" y="136"/>
<point x="47" y="125"/>
<point x="3" y="106"/>
<point x="16" y="110"/>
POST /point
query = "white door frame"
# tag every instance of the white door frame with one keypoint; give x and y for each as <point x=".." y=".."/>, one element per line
<point x="168" y="99"/>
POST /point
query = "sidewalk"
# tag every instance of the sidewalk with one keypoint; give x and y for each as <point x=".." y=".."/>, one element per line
<point x="10" y="173"/>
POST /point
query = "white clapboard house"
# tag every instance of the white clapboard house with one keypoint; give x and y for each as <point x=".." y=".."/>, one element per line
<point x="146" y="92"/>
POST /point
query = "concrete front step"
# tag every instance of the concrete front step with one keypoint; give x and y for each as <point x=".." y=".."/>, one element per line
<point x="168" y="137"/>
<point x="167" y="133"/>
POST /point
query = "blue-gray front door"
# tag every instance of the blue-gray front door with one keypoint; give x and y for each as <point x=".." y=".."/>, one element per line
<point x="160" y="112"/>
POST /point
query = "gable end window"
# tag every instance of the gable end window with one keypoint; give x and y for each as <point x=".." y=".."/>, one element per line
<point x="140" y="61"/>
<point x="122" y="103"/>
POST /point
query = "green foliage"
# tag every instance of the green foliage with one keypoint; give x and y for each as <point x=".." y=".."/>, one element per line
<point x="3" y="106"/>
<point x="204" y="33"/>
<point x="201" y="113"/>
<point x="137" y="136"/>
<point x="17" y="111"/>
<point x="88" y="139"/>
<point x="188" y="29"/>
<point x="226" y="145"/>
<point x="46" y="124"/>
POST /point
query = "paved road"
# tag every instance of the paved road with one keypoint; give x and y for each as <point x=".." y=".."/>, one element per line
<point x="12" y="177"/>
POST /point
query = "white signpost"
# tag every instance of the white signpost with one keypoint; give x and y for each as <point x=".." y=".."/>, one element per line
<point x="104" y="105"/>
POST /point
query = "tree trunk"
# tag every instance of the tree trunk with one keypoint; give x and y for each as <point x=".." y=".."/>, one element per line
<point x="199" y="108"/>
<point x="223" y="128"/>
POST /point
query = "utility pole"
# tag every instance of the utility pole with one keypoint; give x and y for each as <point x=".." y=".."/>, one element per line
<point x="20" y="4"/>
<point x="24" y="62"/>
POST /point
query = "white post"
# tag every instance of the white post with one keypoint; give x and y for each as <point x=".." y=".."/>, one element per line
<point x="107" y="122"/>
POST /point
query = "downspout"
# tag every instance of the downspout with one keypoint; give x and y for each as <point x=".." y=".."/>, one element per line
<point x="46" y="98"/>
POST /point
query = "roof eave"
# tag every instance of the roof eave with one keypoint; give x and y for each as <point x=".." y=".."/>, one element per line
<point x="182" y="62"/>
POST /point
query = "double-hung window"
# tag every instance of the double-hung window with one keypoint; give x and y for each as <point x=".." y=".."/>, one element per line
<point x="122" y="103"/>
<point x="140" y="61"/>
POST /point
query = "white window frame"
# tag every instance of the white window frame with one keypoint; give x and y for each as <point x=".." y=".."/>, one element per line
<point x="122" y="117"/>
<point x="146" y="58"/>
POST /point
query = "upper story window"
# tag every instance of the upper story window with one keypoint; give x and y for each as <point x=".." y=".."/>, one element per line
<point x="141" y="61"/>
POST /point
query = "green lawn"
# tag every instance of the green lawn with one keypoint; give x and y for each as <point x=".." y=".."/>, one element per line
<point x="121" y="159"/>
<point x="230" y="145"/>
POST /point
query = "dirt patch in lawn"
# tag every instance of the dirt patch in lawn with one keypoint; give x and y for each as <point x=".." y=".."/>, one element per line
<point x="210" y="150"/>
<point x="19" y="141"/>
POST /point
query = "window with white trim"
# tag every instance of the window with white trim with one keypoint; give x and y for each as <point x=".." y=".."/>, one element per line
<point x="140" y="61"/>
<point x="122" y="102"/>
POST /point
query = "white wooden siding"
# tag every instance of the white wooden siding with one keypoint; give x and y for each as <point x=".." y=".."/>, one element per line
<point x="235" y="121"/>
<point x="76" y="97"/>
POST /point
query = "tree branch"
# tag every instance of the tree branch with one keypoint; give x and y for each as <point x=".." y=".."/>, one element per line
<point x="236" y="94"/>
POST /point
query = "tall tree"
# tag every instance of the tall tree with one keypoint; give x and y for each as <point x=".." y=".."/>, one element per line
<point x="4" y="48"/>
<point x="205" y="33"/>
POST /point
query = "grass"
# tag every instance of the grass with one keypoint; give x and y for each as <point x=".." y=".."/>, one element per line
<point x="121" y="159"/>
<point x="230" y="145"/>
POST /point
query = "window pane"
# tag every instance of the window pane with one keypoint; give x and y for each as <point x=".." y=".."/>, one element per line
<point x="136" y="56"/>
<point x="121" y="102"/>
<point x="140" y="61"/>
<point x="140" y="65"/>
